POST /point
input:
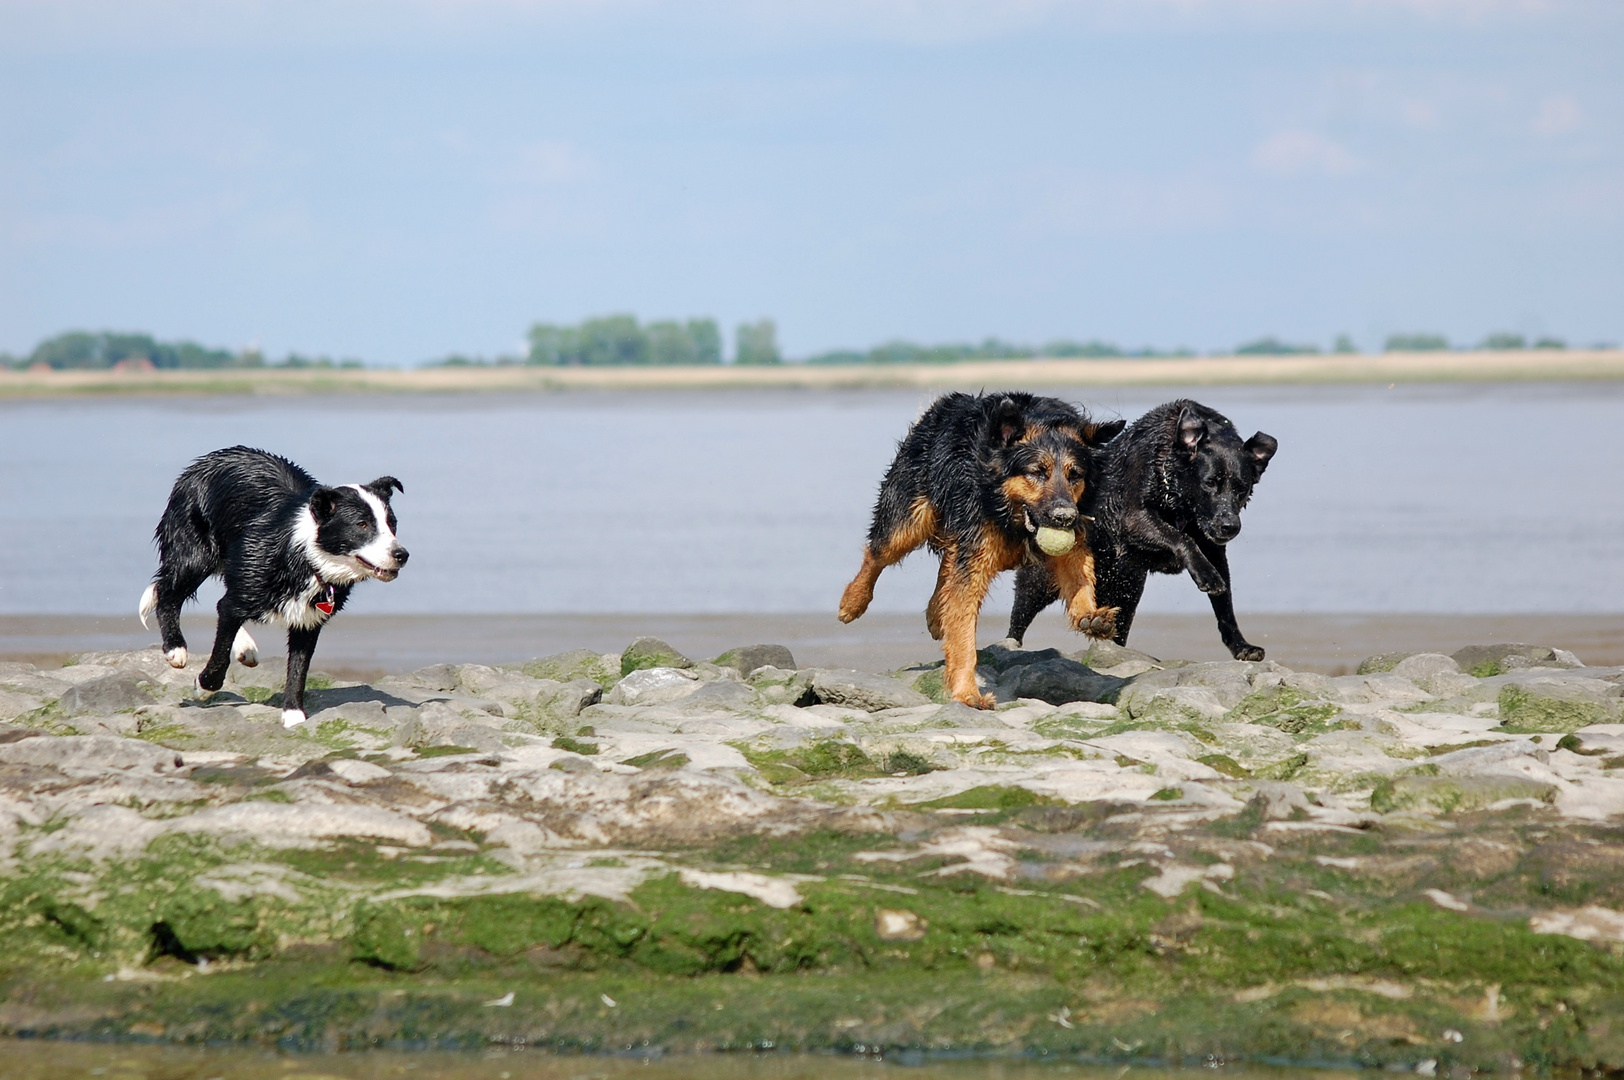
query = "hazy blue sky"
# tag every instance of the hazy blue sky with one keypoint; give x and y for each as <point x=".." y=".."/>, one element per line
<point x="398" y="180"/>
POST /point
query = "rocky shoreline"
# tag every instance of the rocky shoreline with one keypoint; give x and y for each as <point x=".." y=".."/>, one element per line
<point x="1420" y="865"/>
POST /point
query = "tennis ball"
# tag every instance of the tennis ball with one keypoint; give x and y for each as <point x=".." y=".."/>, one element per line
<point x="1056" y="541"/>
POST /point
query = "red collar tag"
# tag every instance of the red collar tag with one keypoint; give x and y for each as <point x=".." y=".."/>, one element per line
<point x="326" y="606"/>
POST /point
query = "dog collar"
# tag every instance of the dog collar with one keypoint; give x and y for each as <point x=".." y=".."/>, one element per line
<point x="326" y="606"/>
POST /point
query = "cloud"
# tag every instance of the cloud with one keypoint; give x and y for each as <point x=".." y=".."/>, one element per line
<point x="1557" y="115"/>
<point x="1296" y="152"/>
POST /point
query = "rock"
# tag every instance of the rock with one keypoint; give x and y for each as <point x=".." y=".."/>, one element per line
<point x="778" y="686"/>
<point x="570" y="698"/>
<point x="862" y="690"/>
<point x="92" y="755"/>
<point x="105" y="695"/>
<point x="1478" y="759"/>
<point x="652" y="686"/>
<point x="304" y="824"/>
<point x="445" y="677"/>
<point x="1057" y="681"/>
<point x="1484" y="661"/>
<point x="601" y="668"/>
<point x="14" y="705"/>
<point x="1557" y="705"/>
<point x="748" y="658"/>
<point x="1274" y="800"/>
<point x="721" y="695"/>
<point x="1435" y="673"/>
<point x="1387" y="661"/>
<point x="1451" y="794"/>
<point x="1118" y="660"/>
<point x="651" y="652"/>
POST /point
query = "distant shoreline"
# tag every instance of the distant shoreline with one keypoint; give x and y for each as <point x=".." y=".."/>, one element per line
<point x="1520" y="366"/>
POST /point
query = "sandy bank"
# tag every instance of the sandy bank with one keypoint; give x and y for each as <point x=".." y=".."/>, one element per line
<point x="1573" y="364"/>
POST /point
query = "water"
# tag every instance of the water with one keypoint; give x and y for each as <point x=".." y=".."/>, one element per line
<point x="1458" y="499"/>
<point x="30" y="1060"/>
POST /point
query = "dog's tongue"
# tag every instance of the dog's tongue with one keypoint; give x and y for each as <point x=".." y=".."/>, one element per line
<point x="1056" y="541"/>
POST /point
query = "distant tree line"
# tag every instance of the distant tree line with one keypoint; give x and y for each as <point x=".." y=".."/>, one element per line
<point x="81" y="350"/>
<point x="621" y="339"/>
<point x="907" y="352"/>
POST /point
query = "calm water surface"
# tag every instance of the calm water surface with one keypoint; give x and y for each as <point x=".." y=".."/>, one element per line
<point x="62" y="1061"/>
<point x="1500" y="498"/>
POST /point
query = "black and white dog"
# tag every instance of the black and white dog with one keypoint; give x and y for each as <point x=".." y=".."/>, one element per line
<point x="289" y="550"/>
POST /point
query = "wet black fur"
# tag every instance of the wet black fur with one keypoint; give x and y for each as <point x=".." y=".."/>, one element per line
<point x="232" y="513"/>
<point x="1167" y="501"/>
<point x="959" y="453"/>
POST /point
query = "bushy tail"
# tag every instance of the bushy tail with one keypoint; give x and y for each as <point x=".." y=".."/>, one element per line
<point x="149" y="603"/>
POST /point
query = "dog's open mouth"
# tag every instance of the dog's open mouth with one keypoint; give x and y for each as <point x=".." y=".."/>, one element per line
<point x="379" y="572"/>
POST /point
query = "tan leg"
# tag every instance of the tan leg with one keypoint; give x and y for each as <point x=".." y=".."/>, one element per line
<point x="963" y="590"/>
<point x="912" y="534"/>
<point x="933" y="610"/>
<point x="1074" y="577"/>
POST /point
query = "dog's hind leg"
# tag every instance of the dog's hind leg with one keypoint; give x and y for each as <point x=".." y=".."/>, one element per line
<point x="1034" y="591"/>
<point x="933" y="610"/>
<point x="892" y="537"/>
<point x="301" y="646"/>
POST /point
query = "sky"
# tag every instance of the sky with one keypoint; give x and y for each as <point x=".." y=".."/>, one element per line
<point x="397" y="181"/>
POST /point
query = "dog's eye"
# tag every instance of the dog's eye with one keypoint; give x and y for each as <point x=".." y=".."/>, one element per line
<point x="1212" y="483"/>
<point x="363" y="523"/>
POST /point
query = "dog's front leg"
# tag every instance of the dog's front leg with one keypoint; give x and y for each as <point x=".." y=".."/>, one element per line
<point x="1223" y="609"/>
<point x="1073" y="575"/>
<point x="1150" y="531"/>
<point x="933" y="610"/>
<point x="964" y="587"/>
<point x="213" y="675"/>
<point x="301" y="646"/>
<point x="1034" y="591"/>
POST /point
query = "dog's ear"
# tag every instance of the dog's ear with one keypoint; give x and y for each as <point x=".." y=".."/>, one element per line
<point x="1008" y="422"/>
<point x="1262" y="448"/>
<point x="1192" y="429"/>
<point x="322" y="502"/>
<point x="382" y="486"/>
<point x="1100" y="434"/>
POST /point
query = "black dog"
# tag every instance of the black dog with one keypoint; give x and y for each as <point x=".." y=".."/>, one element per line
<point x="984" y="480"/>
<point x="1168" y="500"/>
<point x="288" y="549"/>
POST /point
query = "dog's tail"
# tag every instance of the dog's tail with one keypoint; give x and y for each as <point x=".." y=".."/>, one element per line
<point x="149" y="603"/>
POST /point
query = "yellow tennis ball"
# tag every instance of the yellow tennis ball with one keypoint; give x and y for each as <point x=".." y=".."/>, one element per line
<point x="1056" y="541"/>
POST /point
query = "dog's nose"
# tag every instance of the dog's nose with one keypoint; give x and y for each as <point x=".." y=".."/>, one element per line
<point x="400" y="555"/>
<point x="1064" y="516"/>
<point x="1228" y="528"/>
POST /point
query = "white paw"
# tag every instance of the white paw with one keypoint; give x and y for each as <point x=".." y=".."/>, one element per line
<point x="203" y="694"/>
<point x="292" y="717"/>
<point x="176" y="656"/>
<point x="244" y="649"/>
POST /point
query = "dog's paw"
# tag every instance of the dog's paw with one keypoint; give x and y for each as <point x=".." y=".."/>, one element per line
<point x="292" y="717"/>
<point x="1099" y="623"/>
<point x="245" y="649"/>
<point x="977" y="700"/>
<point x="176" y="656"/>
<point x="853" y="603"/>
<point x="1207" y="578"/>
<point x="203" y="693"/>
<point x="1245" y="651"/>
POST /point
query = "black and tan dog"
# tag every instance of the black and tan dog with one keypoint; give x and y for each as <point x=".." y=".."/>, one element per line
<point x="1168" y="500"/>
<point x="981" y="480"/>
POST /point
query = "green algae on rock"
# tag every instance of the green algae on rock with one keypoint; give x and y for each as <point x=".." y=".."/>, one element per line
<point x="1405" y="866"/>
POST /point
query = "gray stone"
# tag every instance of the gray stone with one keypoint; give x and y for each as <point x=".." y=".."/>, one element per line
<point x="721" y="695"/>
<point x="1435" y="673"/>
<point x="1387" y="661"/>
<point x="92" y="755"/>
<point x="445" y="677"/>
<point x="652" y="686"/>
<point x="1107" y="655"/>
<point x="601" y="668"/>
<point x="651" y="652"/>
<point x="1275" y="800"/>
<point x="570" y="698"/>
<point x="1058" y="681"/>
<point x="780" y="687"/>
<point x="750" y="657"/>
<point x="862" y="690"/>
<point x="1534" y="703"/>
<point x="14" y="705"/>
<point x="115" y="693"/>
<point x="1486" y="660"/>
<point x="1476" y="759"/>
<point x="1449" y="794"/>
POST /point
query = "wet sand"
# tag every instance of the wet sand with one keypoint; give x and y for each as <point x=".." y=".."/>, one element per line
<point x="1443" y="366"/>
<point x="370" y="645"/>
